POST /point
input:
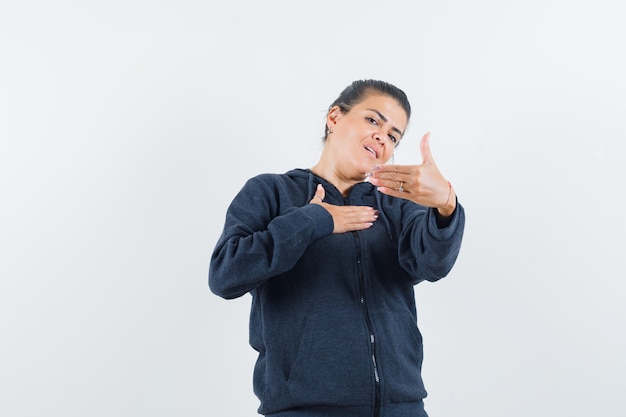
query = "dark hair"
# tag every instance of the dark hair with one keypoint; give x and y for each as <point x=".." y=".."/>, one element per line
<point x="359" y="90"/>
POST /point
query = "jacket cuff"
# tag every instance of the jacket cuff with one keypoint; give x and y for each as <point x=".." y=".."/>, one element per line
<point x="448" y="231"/>
<point x="320" y="218"/>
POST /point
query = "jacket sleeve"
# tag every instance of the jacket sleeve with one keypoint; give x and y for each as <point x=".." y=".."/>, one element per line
<point x="259" y="243"/>
<point x="426" y="251"/>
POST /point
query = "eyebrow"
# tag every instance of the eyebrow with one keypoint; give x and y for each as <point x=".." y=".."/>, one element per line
<point x="384" y="119"/>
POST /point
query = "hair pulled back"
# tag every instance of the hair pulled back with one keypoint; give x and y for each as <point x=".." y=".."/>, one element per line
<point x="360" y="89"/>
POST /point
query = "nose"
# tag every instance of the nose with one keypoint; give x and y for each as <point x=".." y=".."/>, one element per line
<point x="381" y="137"/>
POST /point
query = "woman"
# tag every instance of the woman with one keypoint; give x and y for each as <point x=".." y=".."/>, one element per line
<point x="330" y="256"/>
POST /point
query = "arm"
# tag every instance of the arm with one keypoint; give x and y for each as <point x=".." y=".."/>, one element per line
<point x="425" y="250"/>
<point x="432" y="228"/>
<point x="257" y="243"/>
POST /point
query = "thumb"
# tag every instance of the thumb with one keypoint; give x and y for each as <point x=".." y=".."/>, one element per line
<point x="427" y="157"/>
<point x="320" y="193"/>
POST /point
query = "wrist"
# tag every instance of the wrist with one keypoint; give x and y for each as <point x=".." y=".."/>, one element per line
<point x="449" y="206"/>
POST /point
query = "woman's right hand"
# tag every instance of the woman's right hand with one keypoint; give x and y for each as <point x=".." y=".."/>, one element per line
<point x="346" y="218"/>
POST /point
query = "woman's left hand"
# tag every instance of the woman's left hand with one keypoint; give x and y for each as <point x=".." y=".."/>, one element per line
<point x="422" y="184"/>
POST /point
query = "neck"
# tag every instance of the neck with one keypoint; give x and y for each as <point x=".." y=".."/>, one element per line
<point x="332" y="173"/>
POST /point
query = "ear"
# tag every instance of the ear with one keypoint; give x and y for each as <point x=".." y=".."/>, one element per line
<point x="333" y="116"/>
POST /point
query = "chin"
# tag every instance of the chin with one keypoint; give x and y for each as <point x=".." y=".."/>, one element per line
<point x="364" y="170"/>
<point x="363" y="167"/>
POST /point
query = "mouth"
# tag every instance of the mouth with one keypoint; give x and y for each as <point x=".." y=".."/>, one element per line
<point x="372" y="151"/>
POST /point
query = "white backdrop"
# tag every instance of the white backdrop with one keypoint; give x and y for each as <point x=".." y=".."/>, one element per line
<point x="126" y="127"/>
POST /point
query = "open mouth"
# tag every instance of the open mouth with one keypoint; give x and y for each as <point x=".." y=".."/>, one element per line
<point x="372" y="151"/>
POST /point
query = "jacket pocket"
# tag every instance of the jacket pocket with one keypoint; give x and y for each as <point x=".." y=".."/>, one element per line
<point x="332" y="364"/>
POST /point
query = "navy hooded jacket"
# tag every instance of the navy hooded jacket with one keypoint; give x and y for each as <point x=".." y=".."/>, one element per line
<point x="333" y="316"/>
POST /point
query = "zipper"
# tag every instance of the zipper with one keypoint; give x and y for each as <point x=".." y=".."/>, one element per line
<point x="370" y="330"/>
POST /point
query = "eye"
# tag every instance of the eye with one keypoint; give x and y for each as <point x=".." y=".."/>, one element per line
<point x="371" y="120"/>
<point x="393" y="139"/>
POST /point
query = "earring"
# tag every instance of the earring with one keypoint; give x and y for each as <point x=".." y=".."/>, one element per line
<point x="330" y="131"/>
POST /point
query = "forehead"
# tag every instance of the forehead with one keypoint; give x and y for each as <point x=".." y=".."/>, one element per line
<point x="387" y="105"/>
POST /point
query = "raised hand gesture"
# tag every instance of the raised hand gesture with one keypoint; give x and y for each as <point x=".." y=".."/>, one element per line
<point x="422" y="184"/>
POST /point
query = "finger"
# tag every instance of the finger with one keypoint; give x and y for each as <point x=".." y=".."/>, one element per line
<point x="395" y="184"/>
<point x="405" y="174"/>
<point x="427" y="156"/>
<point x="320" y="194"/>
<point x="361" y="214"/>
<point x="351" y="218"/>
<point x="393" y="192"/>
<point x="357" y="226"/>
<point x="390" y="171"/>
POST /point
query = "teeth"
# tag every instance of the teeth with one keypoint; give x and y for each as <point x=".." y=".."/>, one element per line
<point x="371" y="150"/>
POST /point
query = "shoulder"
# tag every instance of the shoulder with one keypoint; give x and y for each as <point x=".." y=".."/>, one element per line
<point x="275" y="187"/>
<point x="293" y="176"/>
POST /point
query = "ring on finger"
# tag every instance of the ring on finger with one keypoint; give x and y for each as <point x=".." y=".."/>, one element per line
<point x="401" y="189"/>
